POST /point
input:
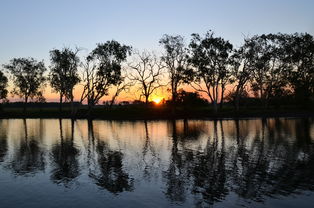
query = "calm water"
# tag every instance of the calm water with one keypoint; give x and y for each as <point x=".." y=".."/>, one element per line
<point x="64" y="163"/>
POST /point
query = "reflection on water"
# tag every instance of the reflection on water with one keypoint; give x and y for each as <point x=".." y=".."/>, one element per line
<point x="185" y="163"/>
<point x="64" y="156"/>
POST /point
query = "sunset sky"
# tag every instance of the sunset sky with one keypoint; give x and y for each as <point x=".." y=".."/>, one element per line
<point x="31" y="28"/>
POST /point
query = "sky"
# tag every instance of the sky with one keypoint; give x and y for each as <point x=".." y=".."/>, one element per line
<point x="31" y="28"/>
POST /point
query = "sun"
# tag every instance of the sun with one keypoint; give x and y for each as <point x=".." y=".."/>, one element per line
<point x="157" y="100"/>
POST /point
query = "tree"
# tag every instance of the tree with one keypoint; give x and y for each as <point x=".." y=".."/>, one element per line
<point x="269" y="77"/>
<point x="64" y="73"/>
<point x="190" y="99"/>
<point x="28" y="77"/>
<point x="3" y="86"/>
<point x="211" y="58"/>
<point x="123" y="85"/>
<point x="147" y="71"/>
<point x="299" y="50"/>
<point x="103" y="70"/>
<point x="175" y="58"/>
<point x="241" y="69"/>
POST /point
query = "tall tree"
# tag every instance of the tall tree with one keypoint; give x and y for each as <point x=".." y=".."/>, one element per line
<point x="211" y="58"/>
<point x="299" y="50"/>
<point x="64" y="73"/>
<point x="241" y="69"/>
<point x="146" y="71"/>
<point x="269" y="77"/>
<point x="3" y="86"/>
<point x="28" y="77"/>
<point x="175" y="58"/>
<point x="102" y="70"/>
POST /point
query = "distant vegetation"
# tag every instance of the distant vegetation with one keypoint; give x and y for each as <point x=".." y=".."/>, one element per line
<point x="267" y="71"/>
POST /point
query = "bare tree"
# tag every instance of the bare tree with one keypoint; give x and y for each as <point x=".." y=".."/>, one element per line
<point x="146" y="71"/>
<point x="124" y="85"/>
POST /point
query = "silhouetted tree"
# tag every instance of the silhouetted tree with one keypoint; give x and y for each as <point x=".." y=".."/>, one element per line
<point x="103" y="70"/>
<point x="211" y="58"/>
<point x="28" y="77"/>
<point x="269" y="75"/>
<point x="64" y="73"/>
<point x="3" y="86"/>
<point x="124" y="85"/>
<point x="299" y="49"/>
<point x="175" y="58"/>
<point x="241" y="69"/>
<point x="146" y="71"/>
<point x="190" y="99"/>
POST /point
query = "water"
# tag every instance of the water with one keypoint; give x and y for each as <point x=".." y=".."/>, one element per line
<point x="246" y="163"/>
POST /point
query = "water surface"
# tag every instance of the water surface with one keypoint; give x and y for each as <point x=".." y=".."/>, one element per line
<point x="184" y="163"/>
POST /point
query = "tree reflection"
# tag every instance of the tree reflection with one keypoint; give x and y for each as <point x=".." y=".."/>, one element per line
<point x="65" y="158"/>
<point x="209" y="170"/>
<point x="207" y="162"/>
<point x="151" y="159"/>
<point x="110" y="175"/>
<point x="29" y="157"/>
<point x="264" y="165"/>
<point x="3" y="140"/>
<point x="179" y="168"/>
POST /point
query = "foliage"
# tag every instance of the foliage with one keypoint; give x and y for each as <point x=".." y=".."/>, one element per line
<point x="190" y="99"/>
<point x="103" y="70"/>
<point x="3" y="86"/>
<point x="28" y="77"/>
<point x="211" y="58"/>
<point x="175" y="58"/>
<point x="299" y="57"/>
<point x="64" y="72"/>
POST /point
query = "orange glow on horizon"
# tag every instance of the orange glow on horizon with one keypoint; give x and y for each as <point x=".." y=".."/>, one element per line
<point x="157" y="100"/>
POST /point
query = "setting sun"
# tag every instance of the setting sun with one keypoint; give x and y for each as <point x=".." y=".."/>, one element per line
<point x="157" y="100"/>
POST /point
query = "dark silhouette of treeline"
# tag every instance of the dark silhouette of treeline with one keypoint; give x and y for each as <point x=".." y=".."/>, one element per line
<point x="268" y="70"/>
<point x="258" y="164"/>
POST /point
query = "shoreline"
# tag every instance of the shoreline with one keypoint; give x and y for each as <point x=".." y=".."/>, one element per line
<point x="159" y="115"/>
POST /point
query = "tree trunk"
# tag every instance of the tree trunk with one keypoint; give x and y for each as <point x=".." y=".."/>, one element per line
<point x="112" y="101"/>
<point x="238" y="92"/>
<point x="146" y="100"/>
<point x="222" y="97"/>
<point x="25" y="103"/>
<point x="72" y="106"/>
<point x="60" y="103"/>
<point x="174" y="97"/>
<point x="89" y="111"/>
<point x="215" y="106"/>
<point x="237" y="102"/>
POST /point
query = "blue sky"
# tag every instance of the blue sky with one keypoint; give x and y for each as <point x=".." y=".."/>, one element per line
<point x="30" y="28"/>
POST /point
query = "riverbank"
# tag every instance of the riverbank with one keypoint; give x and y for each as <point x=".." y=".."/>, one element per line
<point x="155" y="112"/>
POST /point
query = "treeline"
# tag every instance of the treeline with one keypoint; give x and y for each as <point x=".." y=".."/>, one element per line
<point x="268" y="67"/>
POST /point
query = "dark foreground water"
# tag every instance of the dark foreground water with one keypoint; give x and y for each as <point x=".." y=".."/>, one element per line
<point x="64" y="163"/>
